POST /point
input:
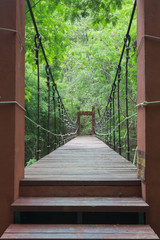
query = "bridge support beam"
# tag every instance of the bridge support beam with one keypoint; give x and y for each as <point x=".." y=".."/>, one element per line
<point x="12" y="27"/>
<point x="149" y="115"/>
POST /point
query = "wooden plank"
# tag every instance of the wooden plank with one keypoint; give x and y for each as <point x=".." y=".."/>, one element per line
<point x="49" y="182"/>
<point x="79" y="190"/>
<point x="80" y="204"/>
<point x="102" y="228"/>
<point x="83" y="166"/>
<point x="79" y="171"/>
<point x="81" y="178"/>
<point x="80" y="160"/>
<point x="85" y="113"/>
<point x="79" y="232"/>
<point x="83" y="160"/>
<point x="79" y="236"/>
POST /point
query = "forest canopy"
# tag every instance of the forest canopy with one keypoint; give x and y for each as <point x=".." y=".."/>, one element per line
<point x="83" y="40"/>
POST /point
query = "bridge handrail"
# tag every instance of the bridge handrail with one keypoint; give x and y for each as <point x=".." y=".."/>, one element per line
<point x="62" y="114"/>
<point x="109" y="114"/>
<point x="38" y="35"/>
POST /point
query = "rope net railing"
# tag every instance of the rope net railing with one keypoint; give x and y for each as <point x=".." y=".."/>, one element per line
<point x="55" y="129"/>
<point x="117" y="126"/>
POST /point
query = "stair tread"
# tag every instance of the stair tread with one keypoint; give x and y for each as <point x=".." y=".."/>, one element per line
<point x="16" y="231"/>
<point x="80" y="203"/>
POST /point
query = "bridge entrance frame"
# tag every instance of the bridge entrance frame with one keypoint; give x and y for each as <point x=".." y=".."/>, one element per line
<point x="86" y="113"/>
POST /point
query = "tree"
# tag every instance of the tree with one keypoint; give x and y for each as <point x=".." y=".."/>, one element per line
<point x="83" y="41"/>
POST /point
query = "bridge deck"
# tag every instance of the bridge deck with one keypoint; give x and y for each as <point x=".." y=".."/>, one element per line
<point x="84" y="158"/>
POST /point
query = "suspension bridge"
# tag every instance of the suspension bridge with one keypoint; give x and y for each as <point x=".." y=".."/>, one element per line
<point x="80" y="187"/>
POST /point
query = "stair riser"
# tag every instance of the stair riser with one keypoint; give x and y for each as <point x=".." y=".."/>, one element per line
<point x="80" y="191"/>
<point x="79" y="218"/>
<point x="78" y="209"/>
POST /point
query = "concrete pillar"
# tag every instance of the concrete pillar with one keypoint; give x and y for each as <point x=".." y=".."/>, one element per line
<point x="12" y="28"/>
<point x="149" y="116"/>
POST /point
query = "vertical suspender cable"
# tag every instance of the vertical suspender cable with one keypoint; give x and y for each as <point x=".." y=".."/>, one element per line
<point x="127" y="40"/>
<point x="110" y="122"/>
<point x="107" y="124"/>
<point x="119" y="113"/>
<point x="55" y="120"/>
<point x="48" y="85"/>
<point x="59" y="122"/>
<point x="37" y="44"/>
<point x="114" y="135"/>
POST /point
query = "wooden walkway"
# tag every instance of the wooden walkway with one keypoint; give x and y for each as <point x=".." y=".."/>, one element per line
<point x="84" y="158"/>
<point x="80" y="232"/>
<point x="83" y="190"/>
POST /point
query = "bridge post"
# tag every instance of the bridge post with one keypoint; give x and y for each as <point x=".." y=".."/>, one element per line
<point x="148" y="57"/>
<point x="12" y="27"/>
<point x="79" y="130"/>
<point x="93" y="113"/>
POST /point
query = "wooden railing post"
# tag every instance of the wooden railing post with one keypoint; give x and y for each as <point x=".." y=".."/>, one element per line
<point x="93" y="115"/>
<point x="78" y="121"/>
<point x="148" y="129"/>
<point x="12" y="27"/>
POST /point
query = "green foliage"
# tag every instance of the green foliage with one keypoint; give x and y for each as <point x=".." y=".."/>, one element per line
<point x="86" y="125"/>
<point x="100" y="10"/>
<point x="83" y="40"/>
<point x="30" y="162"/>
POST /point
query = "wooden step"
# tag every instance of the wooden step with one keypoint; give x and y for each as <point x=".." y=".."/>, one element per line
<point x="79" y="204"/>
<point x="84" y="166"/>
<point x="79" y="232"/>
<point x="69" y="188"/>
